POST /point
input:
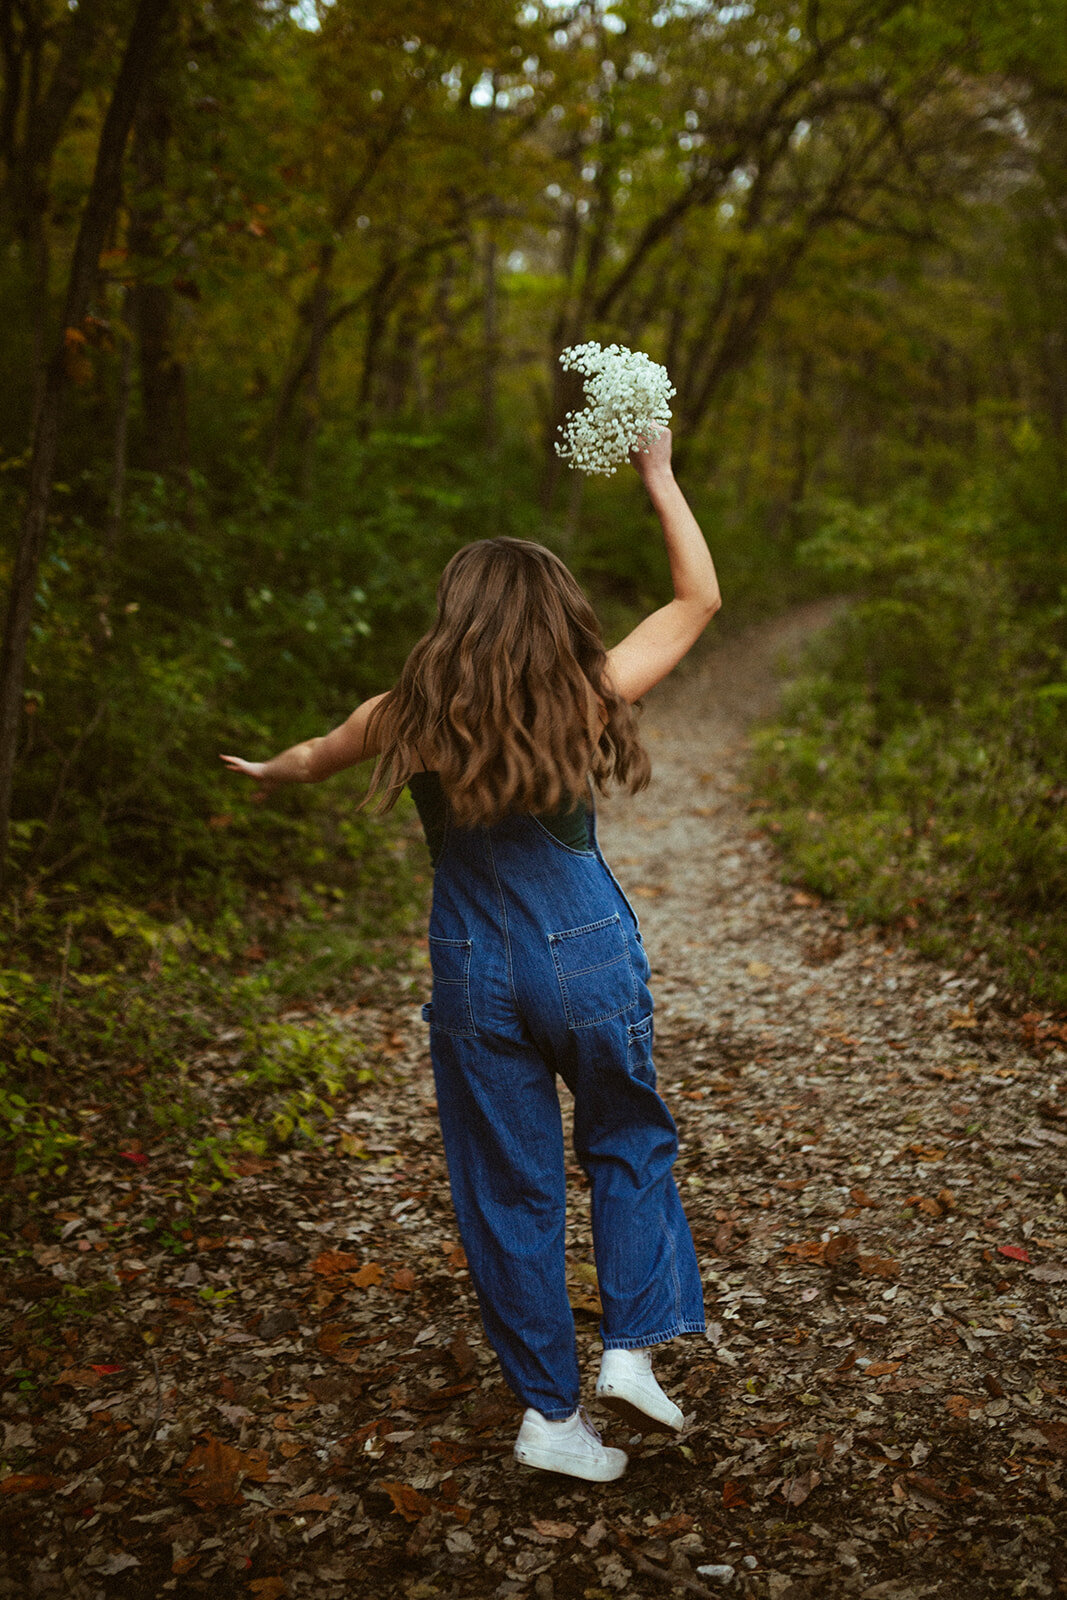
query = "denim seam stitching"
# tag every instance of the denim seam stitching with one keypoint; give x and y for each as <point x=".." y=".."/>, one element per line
<point x="504" y="919"/>
<point x="587" y="927"/>
<point x="661" y="1336"/>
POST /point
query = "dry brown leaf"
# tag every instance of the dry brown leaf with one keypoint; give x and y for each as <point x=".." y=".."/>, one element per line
<point x="840" y="1248"/>
<point x="1056" y="1434"/>
<point x="370" y="1274"/>
<point x="407" y="1502"/>
<point x="808" y="1250"/>
<point x="878" y="1267"/>
<point x="554" y="1530"/>
<point x="333" y="1341"/>
<point x="882" y="1369"/>
<point x="798" y="1489"/>
<point x="268" y="1588"/>
<point x="213" y="1472"/>
<point x="28" y="1483"/>
<point x="310" y="1502"/>
<point x="78" y="1378"/>
<point x="329" y="1262"/>
<point x="861" y="1197"/>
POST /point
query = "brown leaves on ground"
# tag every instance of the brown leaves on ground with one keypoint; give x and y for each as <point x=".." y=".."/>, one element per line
<point x="287" y="1391"/>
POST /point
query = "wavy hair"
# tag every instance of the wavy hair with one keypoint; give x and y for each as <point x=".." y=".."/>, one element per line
<point x="508" y="696"/>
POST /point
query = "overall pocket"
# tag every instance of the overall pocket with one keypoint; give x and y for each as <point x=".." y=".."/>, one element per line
<point x="596" y="980"/>
<point x="639" y="1051"/>
<point x="450" y="1010"/>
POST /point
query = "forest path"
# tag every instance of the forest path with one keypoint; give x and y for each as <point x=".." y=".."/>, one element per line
<point x="297" y="1399"/>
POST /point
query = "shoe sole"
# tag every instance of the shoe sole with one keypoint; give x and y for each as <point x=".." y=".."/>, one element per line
<point x="633" y="1416"/>
<point x="607" y="1474"/>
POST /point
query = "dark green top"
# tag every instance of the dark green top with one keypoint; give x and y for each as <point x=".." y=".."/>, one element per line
<point x="569" y="823"/>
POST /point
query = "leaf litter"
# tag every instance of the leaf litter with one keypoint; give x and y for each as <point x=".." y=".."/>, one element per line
<point x="293" y="1396"/>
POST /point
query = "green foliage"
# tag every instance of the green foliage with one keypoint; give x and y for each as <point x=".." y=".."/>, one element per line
<point x="119" y="1025"/>
<point x="919" y="768"/>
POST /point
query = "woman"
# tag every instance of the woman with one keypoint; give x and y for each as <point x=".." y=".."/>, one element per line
<point x="504" y="715"/>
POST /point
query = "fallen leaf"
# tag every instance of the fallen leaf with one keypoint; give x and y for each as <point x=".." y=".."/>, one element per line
<point x="1014" y="1252"/>
<point x="330" y="1262"/>
<point x="310" y="1502"/>
<point x="681" y="1523"/>
<point x="371" y="1273"/>
<point x="759" y="969"/>
<point x="798" y="1489"/>
<point x="882" y="1369"/>
<point x="27" y="1483"/>
<point x="138" y="1157"/>
<point x="960" y="1405"/>
<point x="861" y="1197"/>
<point x="78" y="1378"/>
<point x="121" y="1561"/>
<point x="213" y="1472"/>
<point x="1056" y="1436"/>
<point x="878" y="1266"/>
<point x="808" y="1250"/>
<point x="841" y="1247"/>
<point x="403" y="1280"/>
<point x="332" y="1342"/>
<point x="268" y="1588"/>
<point x="554" y="1530"/>
<point x="407" y="1502"/>
<point x="734" y="1495"/>
<point x="462" y="1355"/>
<point x="1050" y="1273"/>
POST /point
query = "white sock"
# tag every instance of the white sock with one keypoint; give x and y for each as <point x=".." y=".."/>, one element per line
<point x="636" y="1359"/>
<point x="559" y="1422"/>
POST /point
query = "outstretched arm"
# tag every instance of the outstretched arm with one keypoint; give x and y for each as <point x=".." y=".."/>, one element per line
<point x="638" y="662"/>
<point x="314" y="759"/>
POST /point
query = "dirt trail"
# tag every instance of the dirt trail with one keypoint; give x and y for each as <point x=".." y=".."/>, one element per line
<point x="873" y="1165"/>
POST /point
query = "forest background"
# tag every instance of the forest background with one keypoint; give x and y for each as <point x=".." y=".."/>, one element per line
<point x="282" y="293"/>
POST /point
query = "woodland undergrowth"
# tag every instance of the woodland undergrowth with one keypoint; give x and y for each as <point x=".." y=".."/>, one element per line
<point x="917" y="770"/>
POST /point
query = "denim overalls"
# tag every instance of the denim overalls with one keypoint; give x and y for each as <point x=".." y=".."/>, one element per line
<point x="539" y="968"/>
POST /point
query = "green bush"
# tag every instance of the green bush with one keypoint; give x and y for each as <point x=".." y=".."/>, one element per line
<point x="918" y="769"/>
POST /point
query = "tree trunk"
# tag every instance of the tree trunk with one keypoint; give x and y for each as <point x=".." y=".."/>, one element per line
<point x="164" y="442"/>
<point x="120" y="439"/>
<point x="96" y="221"/>
<point x="318" y="327"/>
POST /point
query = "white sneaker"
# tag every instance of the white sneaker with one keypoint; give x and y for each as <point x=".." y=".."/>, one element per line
<point x="572" y="1446"/>
<point x="627" y="1384"/>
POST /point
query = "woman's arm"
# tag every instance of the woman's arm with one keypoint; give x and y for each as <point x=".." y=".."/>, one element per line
<point x="315" y="759"/>
<point x="657" y="644"/>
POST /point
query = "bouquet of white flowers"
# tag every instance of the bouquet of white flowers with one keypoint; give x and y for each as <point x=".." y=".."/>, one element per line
<point x="627" y="397"/>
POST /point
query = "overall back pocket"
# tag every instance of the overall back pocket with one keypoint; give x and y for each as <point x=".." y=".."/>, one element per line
<point x="450" y="962"/>
<point x="592" y="964"/>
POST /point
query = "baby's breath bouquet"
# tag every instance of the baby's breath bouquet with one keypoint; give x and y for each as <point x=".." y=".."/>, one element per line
<point x="626" y="395"/>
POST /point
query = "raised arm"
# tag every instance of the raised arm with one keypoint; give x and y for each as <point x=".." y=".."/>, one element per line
<point x="315" y="759"/>
<point x="656" y="645"/>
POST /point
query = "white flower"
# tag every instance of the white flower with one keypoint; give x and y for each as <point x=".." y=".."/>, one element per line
<point x="626" y="394"/>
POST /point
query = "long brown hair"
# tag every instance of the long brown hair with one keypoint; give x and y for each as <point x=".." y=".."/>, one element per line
<point x="508" y="697"/>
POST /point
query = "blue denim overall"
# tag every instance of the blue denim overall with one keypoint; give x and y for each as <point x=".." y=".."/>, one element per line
<point x="539" y="969"/>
